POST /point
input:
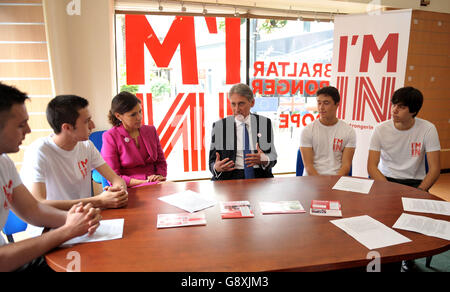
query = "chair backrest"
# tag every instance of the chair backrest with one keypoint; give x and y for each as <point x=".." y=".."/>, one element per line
<point x="97" y="139"/>
<point x="13" y="225"/>
<point x="300" y="166"/>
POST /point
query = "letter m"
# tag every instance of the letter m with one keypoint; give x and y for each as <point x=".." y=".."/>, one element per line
<point x="390" y="47"/>
<point x="185" y="117"/>
<point x="138" y="32"/>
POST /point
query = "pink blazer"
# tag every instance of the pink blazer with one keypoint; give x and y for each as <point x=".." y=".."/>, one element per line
<point x="121" y="153"/>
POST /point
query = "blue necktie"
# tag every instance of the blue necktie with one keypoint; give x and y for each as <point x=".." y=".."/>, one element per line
<point x="248" y="171"/>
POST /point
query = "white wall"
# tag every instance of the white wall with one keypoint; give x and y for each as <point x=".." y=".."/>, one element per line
<point x="81" y="50"/>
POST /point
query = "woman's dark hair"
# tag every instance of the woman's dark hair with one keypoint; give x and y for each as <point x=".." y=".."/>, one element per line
<point x="410" y="97"/>
<point x="121" y="103"/>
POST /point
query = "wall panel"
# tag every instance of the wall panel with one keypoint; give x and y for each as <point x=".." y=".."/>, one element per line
<point x="428" y="69"/>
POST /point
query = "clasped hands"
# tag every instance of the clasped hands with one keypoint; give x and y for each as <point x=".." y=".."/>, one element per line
<point x="83" y="219"/>
<point x="250" y="160"/>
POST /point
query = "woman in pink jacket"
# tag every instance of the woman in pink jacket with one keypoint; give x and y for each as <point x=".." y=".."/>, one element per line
<point x="131" y="149"/>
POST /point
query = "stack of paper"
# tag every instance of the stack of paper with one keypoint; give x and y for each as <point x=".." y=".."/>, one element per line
<point x="236" y="209"/>
<point x="351" y="184"/>
<point x="426" y="206"/>
<point x="424" y="225"/>
<point x="281" y="207"/>
<point x="325" y="208"/>
<point x="370" y="232"/>
<point x="189" y="201"/>
<point x="181" y="219"/>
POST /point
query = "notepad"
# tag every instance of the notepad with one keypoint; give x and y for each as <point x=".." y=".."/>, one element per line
<point x="108" y="230"/>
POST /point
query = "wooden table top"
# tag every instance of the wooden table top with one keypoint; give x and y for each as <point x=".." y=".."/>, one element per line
<point x="282" y="242"/>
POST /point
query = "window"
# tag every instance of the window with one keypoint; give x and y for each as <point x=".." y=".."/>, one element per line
<point x="183" y="66"/>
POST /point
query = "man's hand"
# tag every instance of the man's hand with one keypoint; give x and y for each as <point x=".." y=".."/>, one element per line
<point x="82" y="219"/>
<point x="113" y="197"/>
<point x="258" y="158"/>
<point x="223" y="165"/>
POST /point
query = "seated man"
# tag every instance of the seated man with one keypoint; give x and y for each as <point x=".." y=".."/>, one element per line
<point x="327" y="144"/>
<point x="242" y="145"/>
<point x="58" y="168"/>
<point x="26" y="255"/>
<point x="398" y="146"/>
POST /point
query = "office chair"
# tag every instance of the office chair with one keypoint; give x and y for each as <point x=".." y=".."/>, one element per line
<point x="97" y="139"/>
<point x="300" y="166"/>
<point x="13" y="225"/>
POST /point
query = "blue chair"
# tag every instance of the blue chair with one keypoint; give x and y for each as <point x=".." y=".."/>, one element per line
<point x="300" y="166"/>
<point x="97" y="140"/>
<point x="13" y="225"/>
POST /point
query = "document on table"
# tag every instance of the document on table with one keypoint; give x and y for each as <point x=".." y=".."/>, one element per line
<point x="426" y="206"/>
<point x="352" y="184"/>
<point x="108" y="230"/>
<point x="370" y="232"/>
<point x="189" y="201"/>
<point x="424" y="225"/>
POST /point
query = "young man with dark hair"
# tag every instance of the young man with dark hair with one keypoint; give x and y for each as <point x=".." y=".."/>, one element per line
<point x="398" y="146"/>
<point x="327" y="144"/>
<point x="27" y="254"/>
<point x="58" y="168"/>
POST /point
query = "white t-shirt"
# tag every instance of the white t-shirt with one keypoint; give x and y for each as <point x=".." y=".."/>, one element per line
<point x="9" y="180"/>
<point x="402" y="153"/>
<point x="66" y="174"/>
<point x="328" y="143"/>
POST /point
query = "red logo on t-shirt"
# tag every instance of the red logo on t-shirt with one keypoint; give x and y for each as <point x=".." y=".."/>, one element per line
<point x="7" y="191"/>
<point x="337" y="144"/>
<point x="415" y="149"/>
<point x="82" y="165"/>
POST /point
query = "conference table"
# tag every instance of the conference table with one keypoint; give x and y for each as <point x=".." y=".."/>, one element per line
<point x="280" y="242"/>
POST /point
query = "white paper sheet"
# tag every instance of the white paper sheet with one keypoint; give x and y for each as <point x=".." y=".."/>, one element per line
<point x="189" y="201"/>
<point x="351" y="184"/>
<point x="424" y="225"/>
<point x="370" y="232"/>
<point x="108" y="230"/>
<point x="426" y="206"/>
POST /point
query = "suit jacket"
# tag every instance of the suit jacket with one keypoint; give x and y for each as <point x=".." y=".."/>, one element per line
<point x="223" y="141"/>
<point x="121" y="153"/>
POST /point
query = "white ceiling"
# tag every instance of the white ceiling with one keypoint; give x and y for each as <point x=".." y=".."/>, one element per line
<point x="281" y="7"/>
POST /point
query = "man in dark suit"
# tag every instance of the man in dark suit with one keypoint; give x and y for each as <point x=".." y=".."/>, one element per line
<point x="242" y="145"/>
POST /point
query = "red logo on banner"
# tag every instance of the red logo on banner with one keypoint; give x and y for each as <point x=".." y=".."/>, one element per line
<point x="365" y="92"/>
